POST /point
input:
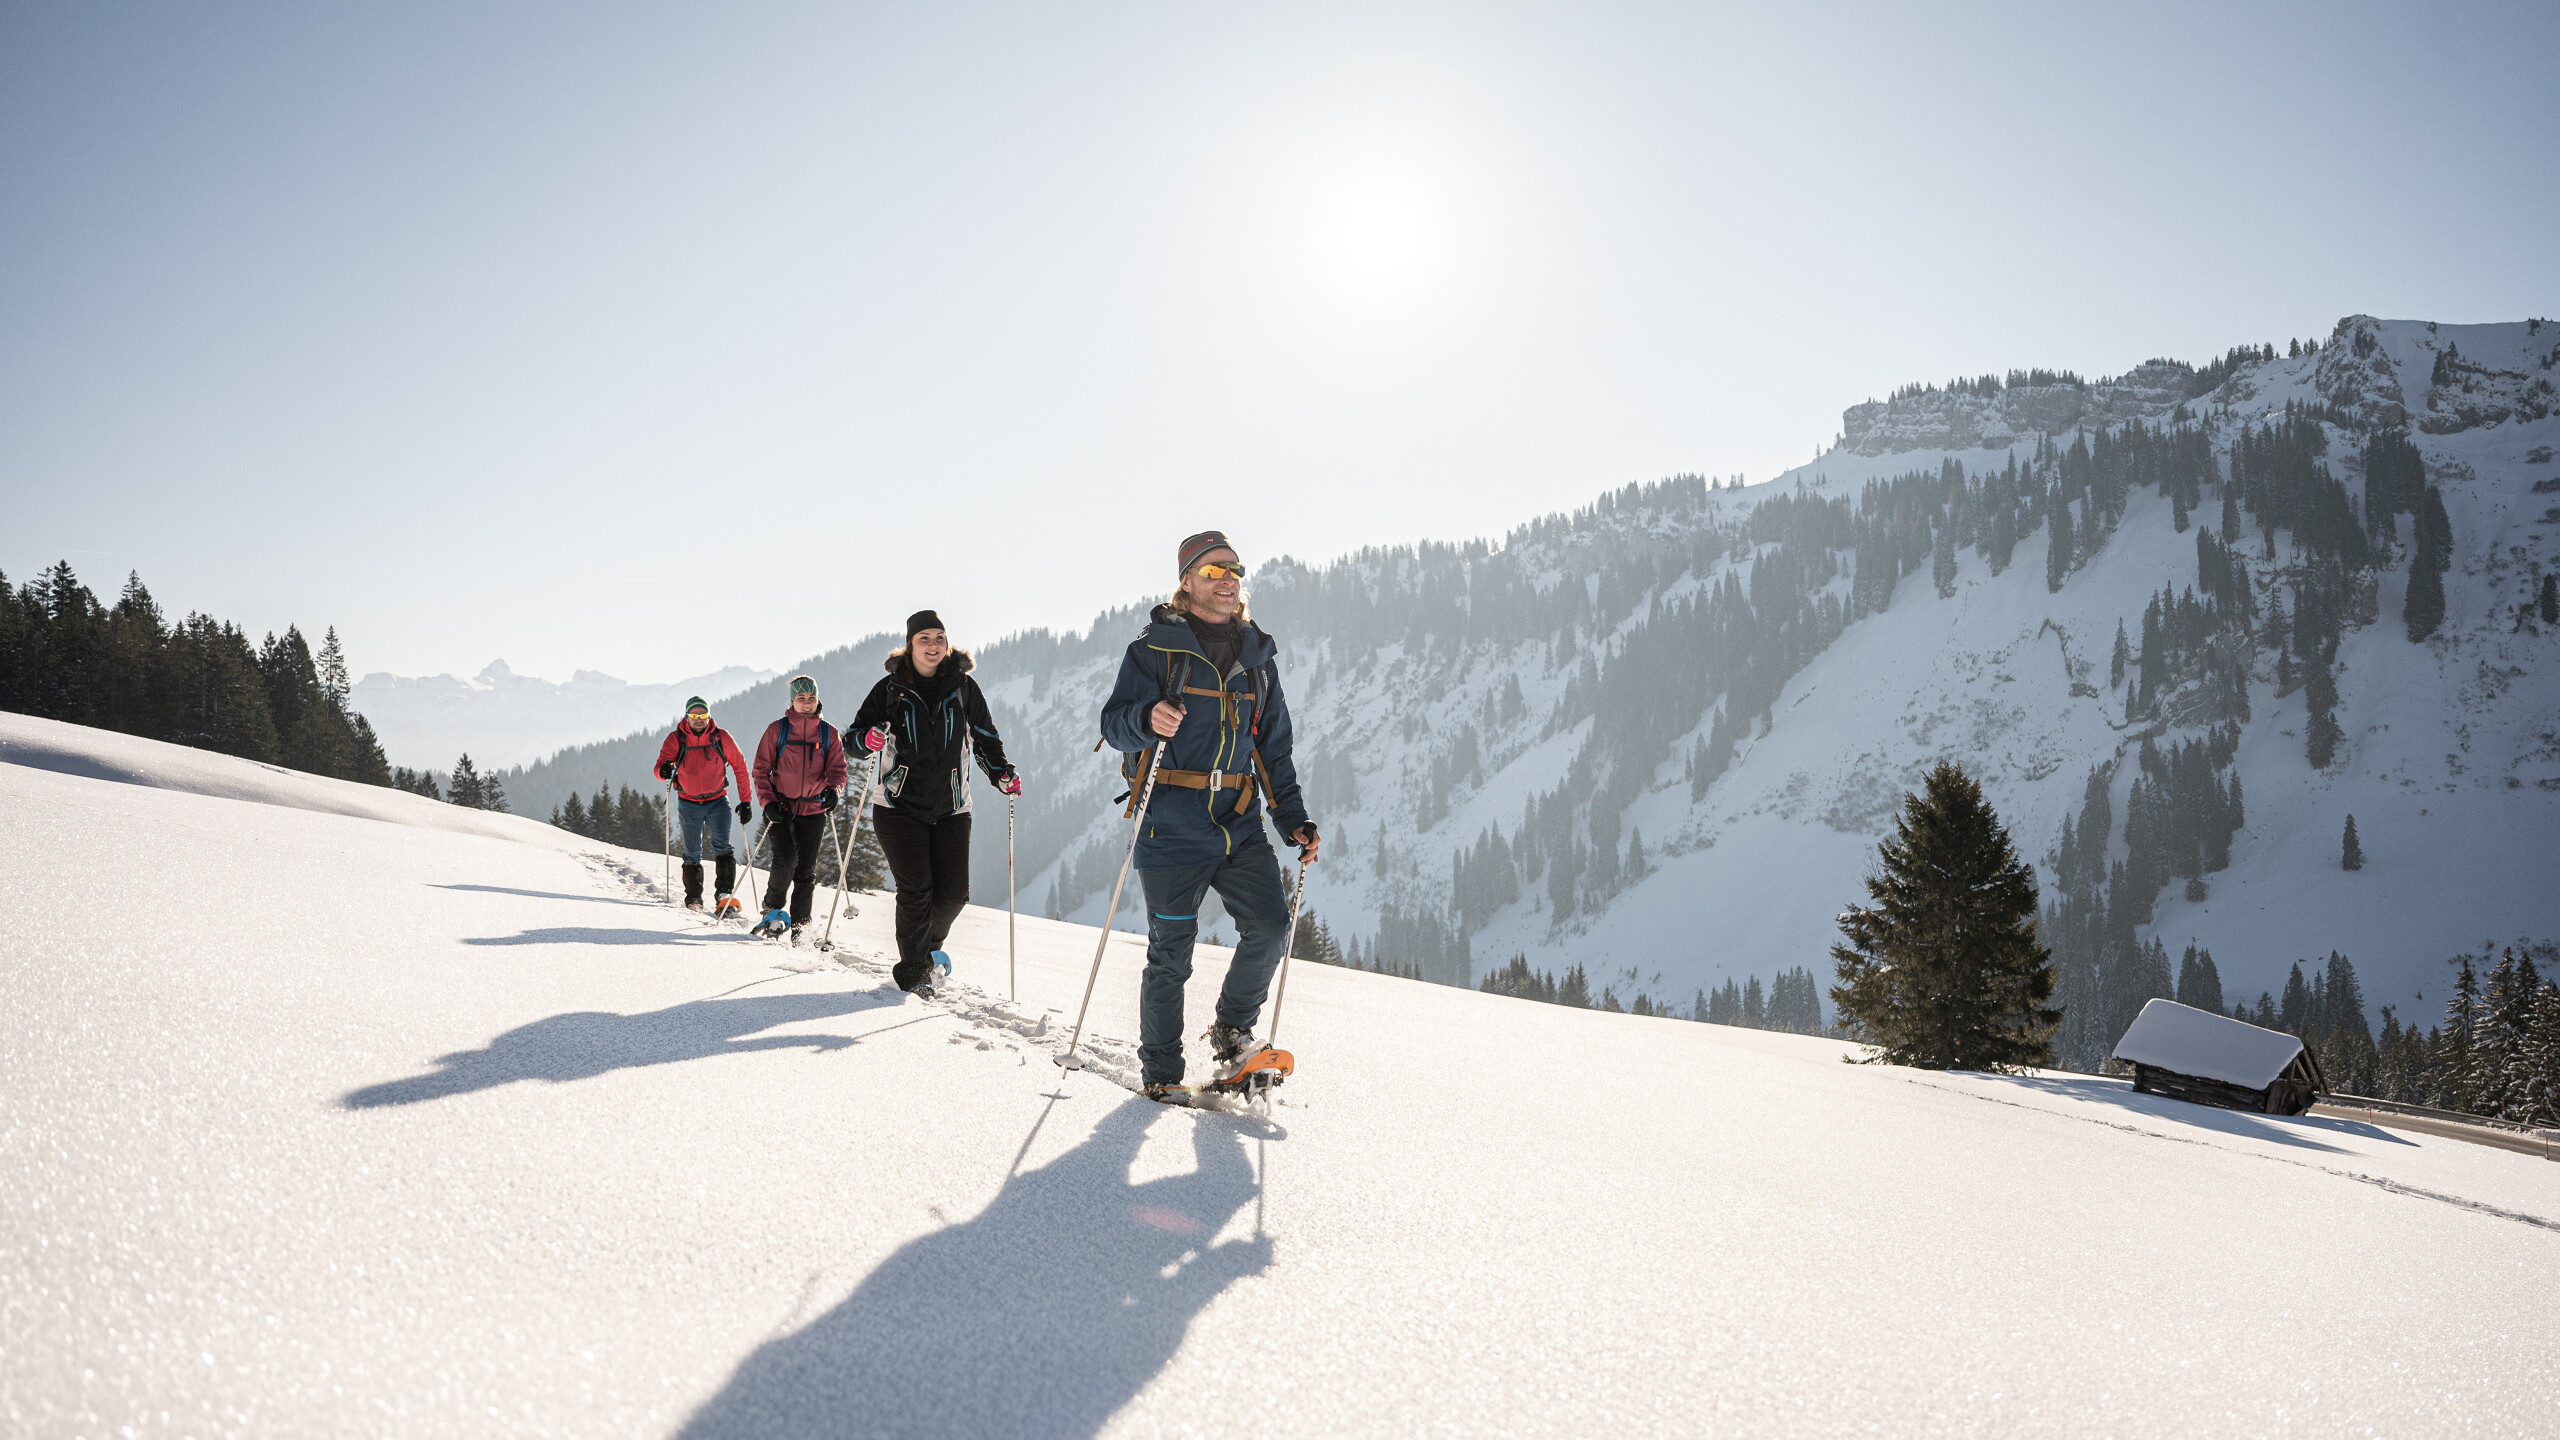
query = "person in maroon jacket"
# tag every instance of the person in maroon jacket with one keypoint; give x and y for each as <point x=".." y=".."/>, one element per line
<point x="799" y="773"/>
<point x="696" y="759"/>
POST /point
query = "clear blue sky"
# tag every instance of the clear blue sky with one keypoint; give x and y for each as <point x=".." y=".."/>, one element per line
<point x="650" y="341"/>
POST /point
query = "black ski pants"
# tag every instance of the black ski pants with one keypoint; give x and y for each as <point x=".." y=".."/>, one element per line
<point x="795" y="855"/>
<point x="930" y="863"/>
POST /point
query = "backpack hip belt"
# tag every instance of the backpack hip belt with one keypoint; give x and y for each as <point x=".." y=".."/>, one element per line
<point x="1237" y="780"/>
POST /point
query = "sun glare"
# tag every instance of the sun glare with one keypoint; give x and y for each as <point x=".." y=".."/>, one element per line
<point x="1379" y="237"/>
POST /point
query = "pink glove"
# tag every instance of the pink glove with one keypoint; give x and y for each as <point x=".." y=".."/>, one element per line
<point x="1011" y="784"/>
<point x="875" y="739"/>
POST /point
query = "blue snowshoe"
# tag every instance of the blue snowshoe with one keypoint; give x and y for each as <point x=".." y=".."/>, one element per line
<point x="775" y="925"/>
<point x="941" y="968"/>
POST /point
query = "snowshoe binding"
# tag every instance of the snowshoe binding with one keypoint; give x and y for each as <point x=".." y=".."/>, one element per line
<point x="1251" y="1082"/>
<point x="941" y="971"/>
<point x="728" y="908"/>
<point x="775" y="924"/>
<point x="1229" y="1044"/>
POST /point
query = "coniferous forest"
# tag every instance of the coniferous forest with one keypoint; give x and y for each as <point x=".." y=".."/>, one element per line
<point x="197" y="682"/>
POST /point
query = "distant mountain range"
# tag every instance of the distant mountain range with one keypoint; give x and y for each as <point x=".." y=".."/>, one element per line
<point x="503" y="719"/>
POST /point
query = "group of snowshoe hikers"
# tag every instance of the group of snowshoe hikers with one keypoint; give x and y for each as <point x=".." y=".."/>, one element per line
<point x="1203" y="683"/>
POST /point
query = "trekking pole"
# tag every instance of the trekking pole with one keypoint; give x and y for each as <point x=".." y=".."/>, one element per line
<point x="1288" y="942"/>
<point x="667" y="844"/>
<point x="1137" y="819"/>
<point x="1012" y="989"/>
<point x="843" y="874"/>
<point x="755" y="837"/>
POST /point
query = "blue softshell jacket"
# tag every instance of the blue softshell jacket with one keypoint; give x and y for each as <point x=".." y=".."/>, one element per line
<point x="1203" y="827"/>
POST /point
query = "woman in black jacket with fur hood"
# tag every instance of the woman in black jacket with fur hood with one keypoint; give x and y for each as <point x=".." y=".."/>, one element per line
<point x="925" y="721"/>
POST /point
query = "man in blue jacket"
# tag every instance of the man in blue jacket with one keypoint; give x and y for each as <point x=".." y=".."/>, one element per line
<point x="1204" y="682"/>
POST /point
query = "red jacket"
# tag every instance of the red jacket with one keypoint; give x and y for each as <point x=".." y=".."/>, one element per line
<point x="703" y="762"/>
<point x="811" y="762"/>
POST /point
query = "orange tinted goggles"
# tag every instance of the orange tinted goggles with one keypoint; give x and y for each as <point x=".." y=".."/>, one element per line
<point x="1216" y="571"/>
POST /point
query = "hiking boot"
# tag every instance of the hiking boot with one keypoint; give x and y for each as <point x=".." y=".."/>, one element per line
<point x="922" y="990"/>
<point x="694" y="904"/>
<point x="1167" y="1093"/>
<point x="1229" y="1044"/>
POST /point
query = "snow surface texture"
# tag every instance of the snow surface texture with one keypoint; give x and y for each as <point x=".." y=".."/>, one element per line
<point x="318" y="1125"/>
<point x="2198" y="1042"/>
<point x="502" y="719"/>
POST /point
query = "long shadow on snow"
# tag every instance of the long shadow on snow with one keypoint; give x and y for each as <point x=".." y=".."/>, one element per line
<point x="2276" y="1129"/>
<point x="599" y="935"/>
<point x="549" y="895"/>
<point x="1040" y="1317"/>
<point x="587" y="1043"/>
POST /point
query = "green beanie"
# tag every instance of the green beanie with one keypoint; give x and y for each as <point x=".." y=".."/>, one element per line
<point x="803" y="685"/>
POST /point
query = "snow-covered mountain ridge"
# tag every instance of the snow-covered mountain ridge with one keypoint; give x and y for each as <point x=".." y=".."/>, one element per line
<point x="1660" y="736"/>
<point x="501" y="718"/>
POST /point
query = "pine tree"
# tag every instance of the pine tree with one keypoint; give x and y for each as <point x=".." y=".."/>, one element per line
<point x="2550" y="603"/>
<point x="2199" y="981"/>
<point x="2321" y="733"/>
<point x="2116" y="662"/>
<point x="2501" y="1044"/>
<point x="1944" y="970"/>
<point x="2537" y="1083"/>
<point x="2352" y="854"/>
<point x="2057" y="555"/>
<point x="333" y="669"/>
<point x="1574" y="989"/>
<point x="2456" y="1085"/>
<point x="463" y="788"/>
<point x="2424" y="609"/>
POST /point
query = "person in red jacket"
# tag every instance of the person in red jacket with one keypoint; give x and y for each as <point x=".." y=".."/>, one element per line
<point x="696" y="759"/>
<point x="799" y="773"/>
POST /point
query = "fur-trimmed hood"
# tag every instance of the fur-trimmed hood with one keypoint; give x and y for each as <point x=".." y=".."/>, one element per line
<point x="897" y="664"/>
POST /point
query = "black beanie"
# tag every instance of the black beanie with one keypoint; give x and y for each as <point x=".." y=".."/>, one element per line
<point x="922" y="620"/>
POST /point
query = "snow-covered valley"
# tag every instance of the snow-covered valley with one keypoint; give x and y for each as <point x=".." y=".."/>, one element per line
<point x="331" y="1110"/>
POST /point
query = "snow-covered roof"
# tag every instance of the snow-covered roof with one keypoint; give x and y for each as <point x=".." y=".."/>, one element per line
<point x="2171" y="1036"/>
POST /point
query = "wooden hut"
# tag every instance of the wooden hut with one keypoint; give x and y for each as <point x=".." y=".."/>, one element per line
<point x="2190" y="1054"/>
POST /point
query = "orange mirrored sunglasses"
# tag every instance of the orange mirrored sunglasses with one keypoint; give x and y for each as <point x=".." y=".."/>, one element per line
<point x="1215" y="570"/>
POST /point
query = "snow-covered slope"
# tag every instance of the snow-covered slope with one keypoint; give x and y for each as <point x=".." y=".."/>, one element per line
<point x="501" y="718"/>
<point x="322" y="1122"/>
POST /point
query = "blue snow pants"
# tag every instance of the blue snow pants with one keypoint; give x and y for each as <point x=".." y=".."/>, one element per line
<point x="692" y="816"/>
<point x="1249" y="882"/>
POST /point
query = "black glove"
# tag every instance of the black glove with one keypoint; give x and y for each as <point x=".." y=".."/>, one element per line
<point x="775" y="812"/>
<point x="746" y="813"/>
<point x="667" y="771"/>
<point x="827" y="799"/>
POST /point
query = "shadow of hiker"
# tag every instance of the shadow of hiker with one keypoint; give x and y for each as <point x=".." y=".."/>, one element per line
<point x="1041" y="1317"/>
<point x="586" y="1043"/>
<point x="2276" y="1129"/>
<point x="599" y="935"/>
<point x="551" y="895"/>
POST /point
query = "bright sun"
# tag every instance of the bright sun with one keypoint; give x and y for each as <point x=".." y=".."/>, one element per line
<point x="1379" y="237"/>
